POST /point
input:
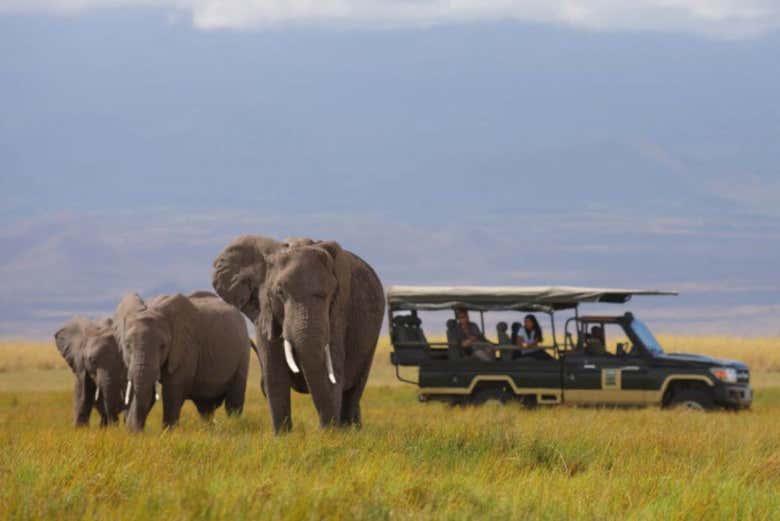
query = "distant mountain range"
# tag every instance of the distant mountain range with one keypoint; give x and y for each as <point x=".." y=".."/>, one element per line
<point x="499" y="153"/>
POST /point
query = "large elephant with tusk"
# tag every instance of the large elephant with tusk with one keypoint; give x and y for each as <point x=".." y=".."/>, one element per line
<point x="196" y="346"/>
<point x="91" y="351"/>
<point x="318" y="309"/>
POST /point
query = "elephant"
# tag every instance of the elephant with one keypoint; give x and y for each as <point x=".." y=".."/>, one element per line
<point x="196" y="346"/>
<point x="317" y="310"/>
<point x="90" y="349"/>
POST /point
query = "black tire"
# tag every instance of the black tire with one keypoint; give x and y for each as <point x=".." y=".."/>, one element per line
<point x="484" y="396"/>
<point x="693" y="400"/>
<point x="529" y="402"/>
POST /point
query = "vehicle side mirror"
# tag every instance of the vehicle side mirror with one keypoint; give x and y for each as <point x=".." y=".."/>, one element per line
<point x="621" y="349"/>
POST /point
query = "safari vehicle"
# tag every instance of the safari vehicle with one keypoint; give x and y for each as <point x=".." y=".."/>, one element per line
<point x="626" y="366"/>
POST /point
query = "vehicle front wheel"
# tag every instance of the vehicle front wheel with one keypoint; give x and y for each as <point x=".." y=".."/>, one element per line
<point x="692" y="400"/>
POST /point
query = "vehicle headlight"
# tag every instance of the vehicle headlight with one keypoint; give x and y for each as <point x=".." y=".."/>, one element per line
<point x="725" y="374"/>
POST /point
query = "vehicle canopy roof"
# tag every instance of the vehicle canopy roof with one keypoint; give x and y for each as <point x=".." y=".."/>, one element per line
<point x="497" y="298"/>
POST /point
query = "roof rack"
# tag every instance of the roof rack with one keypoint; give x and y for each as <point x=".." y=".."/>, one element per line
<point x="518" y="298"/>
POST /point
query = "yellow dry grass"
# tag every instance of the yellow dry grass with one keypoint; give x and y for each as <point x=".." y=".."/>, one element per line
<point x="410" y="461"/>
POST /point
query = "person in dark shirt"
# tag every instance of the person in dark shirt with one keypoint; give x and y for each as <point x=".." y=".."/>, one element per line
<point x="467" y="334"/>
<point x="595" y="344"/>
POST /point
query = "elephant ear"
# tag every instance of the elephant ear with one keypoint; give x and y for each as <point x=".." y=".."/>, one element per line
<point x="239" y="272"/>
<point x="181" y="317"/>
<point x="71" y="340"/>
<point x="342" y="270"/>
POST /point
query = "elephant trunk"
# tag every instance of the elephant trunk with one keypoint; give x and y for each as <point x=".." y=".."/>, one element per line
<point x="141" y="390"/>
<point x="84" y="398"/>
<point x="309" y="342"/>
<point x="109" y="395"/>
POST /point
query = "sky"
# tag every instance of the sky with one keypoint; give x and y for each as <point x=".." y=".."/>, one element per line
<point x="577" y="142"/>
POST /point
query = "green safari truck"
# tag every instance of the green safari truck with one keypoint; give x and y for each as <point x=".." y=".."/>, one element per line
<point x="604" y="360"/>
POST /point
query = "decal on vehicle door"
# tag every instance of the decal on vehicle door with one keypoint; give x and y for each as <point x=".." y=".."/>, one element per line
<point x="610" y="379"/>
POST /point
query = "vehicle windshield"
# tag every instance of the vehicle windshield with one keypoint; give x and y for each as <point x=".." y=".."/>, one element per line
<point x="646" y="336"/>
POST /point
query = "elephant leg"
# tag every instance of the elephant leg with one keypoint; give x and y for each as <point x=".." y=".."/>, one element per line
<point x="277" y="381"/>
<point x="350" y="402"/>
<point x="350" y="406"/>
<point x="206" y="408"/>
<point x="173" y="399"/>
<point x="104" y="421"/>
<point x="234" y="399"/>
<point x="83" y="399"/>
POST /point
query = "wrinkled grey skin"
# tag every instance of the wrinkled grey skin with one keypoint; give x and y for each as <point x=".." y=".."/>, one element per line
<point x="93" y="355"/>
<point x="312" y="294"/>
<point x="196" y="346"/>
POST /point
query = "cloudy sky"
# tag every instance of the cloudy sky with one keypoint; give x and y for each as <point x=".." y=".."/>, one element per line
<point x="493" y="142"/>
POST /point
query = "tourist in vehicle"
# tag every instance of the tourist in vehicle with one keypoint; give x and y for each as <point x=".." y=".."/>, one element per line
<point x="595" y="343"/>
<point x="530" y="334"/>
<point x="467" y="334"/>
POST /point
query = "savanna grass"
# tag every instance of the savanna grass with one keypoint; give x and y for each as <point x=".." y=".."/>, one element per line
<point x="410" y="461"/>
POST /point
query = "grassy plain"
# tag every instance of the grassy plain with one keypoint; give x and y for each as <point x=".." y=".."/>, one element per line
<point x="410" y="460"/>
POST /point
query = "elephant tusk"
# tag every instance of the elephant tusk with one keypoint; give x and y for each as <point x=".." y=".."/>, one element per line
<point x="288" y="355"/>
<point x="127" y="392"/>
<point x="329" y="362"/>
<point x="97" y="394"/>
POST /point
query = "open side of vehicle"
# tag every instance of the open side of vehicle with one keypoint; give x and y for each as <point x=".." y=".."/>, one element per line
<point x="604" y="360"/>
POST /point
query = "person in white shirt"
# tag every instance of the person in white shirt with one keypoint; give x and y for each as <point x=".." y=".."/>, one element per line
<point x="530" y="334"/>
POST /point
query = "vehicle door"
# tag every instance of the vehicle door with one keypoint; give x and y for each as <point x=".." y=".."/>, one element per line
<point x="615" y="376"/>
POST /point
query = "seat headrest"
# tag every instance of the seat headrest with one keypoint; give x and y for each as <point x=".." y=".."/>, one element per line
<point x="501" y="326"/>
<point x="451" y="323"/>
<point x="516" y="326"/>
<point x="399" y="320"/>
<point x="414" y="321"/>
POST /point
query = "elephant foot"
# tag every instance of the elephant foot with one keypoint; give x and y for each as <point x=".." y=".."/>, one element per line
<point x="350" y="423"/>
<point x="283" y="426"/>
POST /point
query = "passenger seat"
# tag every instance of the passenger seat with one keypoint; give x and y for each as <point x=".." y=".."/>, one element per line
<point x="403" y="334"/>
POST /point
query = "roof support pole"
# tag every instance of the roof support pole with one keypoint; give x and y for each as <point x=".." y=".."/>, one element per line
<point x="554" y="338"/>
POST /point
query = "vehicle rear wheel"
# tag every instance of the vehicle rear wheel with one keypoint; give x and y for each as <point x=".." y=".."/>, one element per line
<point x="529" y="402"/>
<point x="484" y="396"/>
<point x="692" y="400"/>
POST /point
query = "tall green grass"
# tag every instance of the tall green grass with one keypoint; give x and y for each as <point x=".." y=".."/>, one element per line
<point x="410" y="461"/>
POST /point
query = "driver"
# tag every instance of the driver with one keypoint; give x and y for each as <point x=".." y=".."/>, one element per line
<point x="594" y="344"/>
<point x="467" y="334"/>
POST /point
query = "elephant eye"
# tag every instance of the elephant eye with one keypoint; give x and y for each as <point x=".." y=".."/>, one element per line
<point x="321" y="296"/>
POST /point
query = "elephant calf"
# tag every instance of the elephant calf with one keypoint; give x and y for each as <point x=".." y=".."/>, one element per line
<point x="93" y="355"/>
<point x="196" y="346"/>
